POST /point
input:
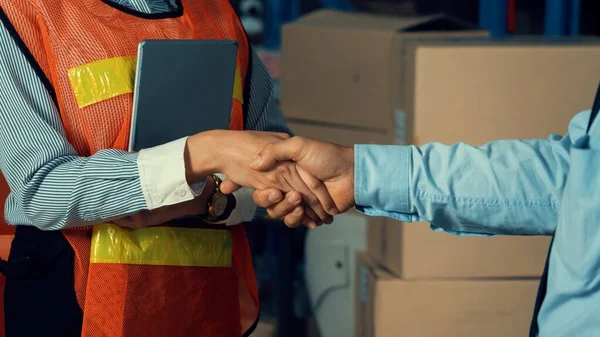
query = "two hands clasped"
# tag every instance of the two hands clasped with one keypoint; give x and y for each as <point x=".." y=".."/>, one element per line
<point x="298" y="180"/>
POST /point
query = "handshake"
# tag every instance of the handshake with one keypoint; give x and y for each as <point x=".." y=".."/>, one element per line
<point x="299" y="180"/>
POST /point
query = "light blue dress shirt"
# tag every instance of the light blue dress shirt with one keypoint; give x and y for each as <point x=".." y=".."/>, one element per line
<point x="511" y="187"/>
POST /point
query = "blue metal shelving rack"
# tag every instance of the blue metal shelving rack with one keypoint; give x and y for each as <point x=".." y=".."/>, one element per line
<point x="561" y="17"/>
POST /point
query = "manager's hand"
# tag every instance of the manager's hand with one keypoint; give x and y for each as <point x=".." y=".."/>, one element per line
<point x="231" y="152"/>
<point x="331" y="164"/>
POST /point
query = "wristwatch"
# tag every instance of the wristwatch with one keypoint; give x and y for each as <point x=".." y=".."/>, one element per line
<point x="220" y="206"/>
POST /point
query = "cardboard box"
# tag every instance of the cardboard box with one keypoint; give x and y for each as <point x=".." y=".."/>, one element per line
<point x="481" y="90"/>
<point x="392" y="307"/>
<point x="338" y="135"/>
<point x="476" y="92"/>
<point x="343" y="68"/>
<point x="414" y="251"/>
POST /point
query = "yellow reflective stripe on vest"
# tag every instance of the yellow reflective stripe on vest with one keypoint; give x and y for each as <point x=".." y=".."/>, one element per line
<point x="104" y="79"/>
<point x="238" y="92"/>
<point x="165" y="246"/>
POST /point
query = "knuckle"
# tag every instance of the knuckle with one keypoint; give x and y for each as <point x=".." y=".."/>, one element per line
<point x="260" y="198"/>
<point x="273" y="179"/>
<point x="285" y="169"/>
<point x="298" y="139"/>
<point x="282" y="173"/>
<point x="293" y="198"/>
<point x="288" y="223"/>
<point x="314" y="183"/>
<point x="273" y="213"/>
<point x="301" y="141"/>
<point x="267" y="149"/>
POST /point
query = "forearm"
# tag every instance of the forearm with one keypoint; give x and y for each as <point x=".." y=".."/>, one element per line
<point x="51" y="186"/>
<point x="504" y="187"/>
<point x="69" y="191"/>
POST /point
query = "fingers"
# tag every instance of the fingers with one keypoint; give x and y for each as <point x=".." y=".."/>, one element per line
<point x="284" y="176"/>
<point x="292" y="201"/>
<point x="294" y="218"/>
<point x="289" y="208"/>
<point x="267" y="198"/>
<point x="228" y="187"/>
<point x="311" y="219"/>
<point x="289" y="149"/>
<point x="310" y="199"/>
<point x="317" y="187"/>
<point x="300" y="216"/>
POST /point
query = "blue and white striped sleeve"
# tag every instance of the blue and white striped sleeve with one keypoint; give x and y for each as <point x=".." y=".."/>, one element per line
<point x="263" y="111"/>
<point x="51" y="186"/>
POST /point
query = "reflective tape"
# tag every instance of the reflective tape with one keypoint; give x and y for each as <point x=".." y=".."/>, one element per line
<point x="165" y="246"/>
<point x="101" y="80"/>
<point x="238" y="92"/>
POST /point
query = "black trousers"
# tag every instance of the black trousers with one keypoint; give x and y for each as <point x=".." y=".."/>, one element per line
<point x="41" y="301"/>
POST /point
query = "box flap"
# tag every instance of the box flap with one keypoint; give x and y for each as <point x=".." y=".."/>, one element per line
<point x="440" y="23"/>
<point x="347" y="20"/>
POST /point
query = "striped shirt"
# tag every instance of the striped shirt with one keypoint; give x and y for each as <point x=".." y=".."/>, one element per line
<point x="53" y="188"/>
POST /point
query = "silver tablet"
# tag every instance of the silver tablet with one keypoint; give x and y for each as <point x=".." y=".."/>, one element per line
<point x="182" y="87"/>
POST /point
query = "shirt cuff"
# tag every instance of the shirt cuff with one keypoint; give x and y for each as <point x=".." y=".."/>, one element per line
<point x="382" y="177"/>
<point x="162" y="175"/>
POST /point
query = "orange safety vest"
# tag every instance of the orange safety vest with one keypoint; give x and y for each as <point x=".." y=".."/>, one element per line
<point x="160" y="281"/>
<point x="6" y="235"/>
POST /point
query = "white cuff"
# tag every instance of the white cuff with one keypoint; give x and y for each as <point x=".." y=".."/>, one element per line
<point x="162" y="175"/>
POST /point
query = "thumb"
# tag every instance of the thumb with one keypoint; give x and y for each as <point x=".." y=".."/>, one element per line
<point x="289" y="149"/>
<point x="228" y="187"/>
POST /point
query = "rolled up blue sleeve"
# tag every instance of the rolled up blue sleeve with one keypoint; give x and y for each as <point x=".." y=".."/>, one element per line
<point x="382" y="186"/>
<point x="509" y="187"/>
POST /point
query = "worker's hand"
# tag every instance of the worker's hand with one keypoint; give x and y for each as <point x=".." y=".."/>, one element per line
<point x="231" y="152"/>
<point x="165" y="214"/>
<point x="288" y="204"/>
<point x="332" y="166"/>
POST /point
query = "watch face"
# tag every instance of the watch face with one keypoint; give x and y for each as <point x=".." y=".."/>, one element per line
<point x="219" y="205"/>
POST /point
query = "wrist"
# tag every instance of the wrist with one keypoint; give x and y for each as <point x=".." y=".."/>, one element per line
<point x="350" y="172"/>
<point x="200" y="156"/>
<point x="199" y="205"/>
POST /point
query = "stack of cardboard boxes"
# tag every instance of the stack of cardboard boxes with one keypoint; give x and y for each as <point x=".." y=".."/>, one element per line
<point x="359" y="79"/>
<point x="341" y="73"/>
